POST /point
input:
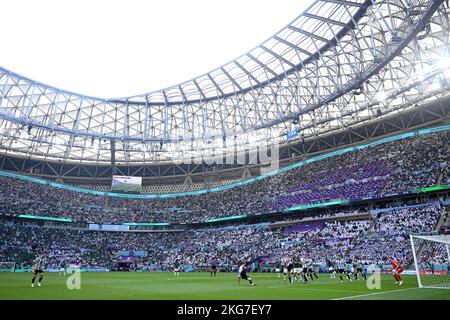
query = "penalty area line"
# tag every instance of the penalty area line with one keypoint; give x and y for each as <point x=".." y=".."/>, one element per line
<point x="374" y="293"/>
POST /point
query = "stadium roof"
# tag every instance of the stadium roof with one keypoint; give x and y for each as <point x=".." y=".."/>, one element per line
<point x="338" y="64"/>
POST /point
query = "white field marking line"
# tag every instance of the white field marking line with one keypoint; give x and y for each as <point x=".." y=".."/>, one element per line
<point x="322" y="290"/>
<point x="375" y="293"/>
<point x="317" y="283"/>
<point x="306" y="288"/>
<point x="158" y="290"/>
<point x="186" y="275"/>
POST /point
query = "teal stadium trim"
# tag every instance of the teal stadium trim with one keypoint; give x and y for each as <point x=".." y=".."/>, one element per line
<point x="146" y="224"/>
<point x="227" y="218"/>
<point x="317" y="205"/>
<point x="26" y="216"/>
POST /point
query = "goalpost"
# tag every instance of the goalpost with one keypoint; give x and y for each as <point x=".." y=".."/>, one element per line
<point x="7" y="266"/>
<point x="431" y="260"/>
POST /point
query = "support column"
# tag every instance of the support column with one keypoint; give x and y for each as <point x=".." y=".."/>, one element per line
<point x="187" y="184"/>
<point x="246" y="173"/>
<point x="113" y="156"/>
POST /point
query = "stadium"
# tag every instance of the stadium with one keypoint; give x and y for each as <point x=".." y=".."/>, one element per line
<point x="314" y="165"/>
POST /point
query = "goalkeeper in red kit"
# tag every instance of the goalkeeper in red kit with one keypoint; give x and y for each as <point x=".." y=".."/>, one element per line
<point x="396" y="270"/>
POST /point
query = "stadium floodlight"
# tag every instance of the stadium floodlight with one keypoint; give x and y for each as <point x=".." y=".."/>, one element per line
<point x="382" y="96"/>
<point x="96" y="146"/>
<point x="3" y="102"/>
<point x="252" y="138"/>
<point x="431" y="260"/>
<point x="24" y="135"/>
<point x="58" y="140"/>
<point x="443" y="63"/>
<point x="447" y="74"/>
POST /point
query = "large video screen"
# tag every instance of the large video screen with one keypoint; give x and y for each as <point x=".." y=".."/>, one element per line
<point x="126" y="184"/>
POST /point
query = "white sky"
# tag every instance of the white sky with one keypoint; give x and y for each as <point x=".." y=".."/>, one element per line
<point x="120" y="48"/>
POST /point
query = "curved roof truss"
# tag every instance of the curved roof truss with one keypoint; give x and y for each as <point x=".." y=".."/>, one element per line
<point x="325" y="71"/>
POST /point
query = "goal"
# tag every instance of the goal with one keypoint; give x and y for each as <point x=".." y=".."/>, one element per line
<point x="7" y="266"/>
<point x="431" y="260"/>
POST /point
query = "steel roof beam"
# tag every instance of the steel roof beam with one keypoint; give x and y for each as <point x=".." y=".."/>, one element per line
<point x="293" y="46"/>
<point x="309" y="34"/>
<point x="216" y="85"/>
<point x="278" y="56"/>
<point x="246" y="72"/>
<point x="262" y="65"/>
<point x="346" y="3"/>
<point x="199" y="89"/>
<point x="231" y="78"/>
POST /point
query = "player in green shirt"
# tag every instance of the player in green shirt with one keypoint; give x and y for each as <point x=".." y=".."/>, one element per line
<point x="176" y="268"/>
<point x="297" y="261"/>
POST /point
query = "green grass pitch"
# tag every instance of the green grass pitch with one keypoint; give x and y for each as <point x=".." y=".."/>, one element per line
<point x="192" y="286"/>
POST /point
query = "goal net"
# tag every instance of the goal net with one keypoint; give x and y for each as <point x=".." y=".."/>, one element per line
<point x="431" y="260"/>
<point x="7" y="266"/>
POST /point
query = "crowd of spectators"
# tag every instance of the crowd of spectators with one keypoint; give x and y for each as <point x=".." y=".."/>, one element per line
<point x="391" y="230"/>
<point x="370" y="239"/>
<point x="400" y="165"/>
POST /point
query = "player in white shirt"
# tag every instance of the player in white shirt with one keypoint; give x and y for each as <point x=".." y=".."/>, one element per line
<point x="285" y="268"/>
<point x="242" y="274"/>
<point x="62" y="269"/>
<point x="342" y="269"/>
<point x="308" y="265"/>
<point x="38" y="268"/>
